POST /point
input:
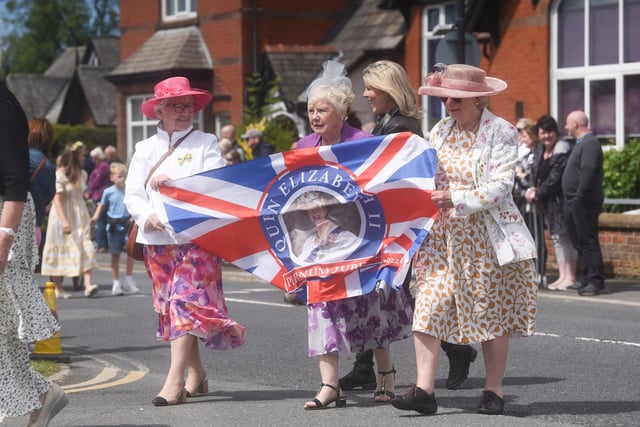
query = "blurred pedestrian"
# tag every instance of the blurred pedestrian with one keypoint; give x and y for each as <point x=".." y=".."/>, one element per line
<point x="255" y="141"/>
<point x="24" y="314"/>
<point x="546" y="191"/>
<point x="584" y="195"/>
<point x="68" y="250"/>
<point x="98" y="181"/>
<point x="117" y="228"/>
<point x="42" y="171"/>
<point x="528" y="144"/>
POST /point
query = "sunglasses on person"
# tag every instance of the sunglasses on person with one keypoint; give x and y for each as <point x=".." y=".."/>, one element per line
<point x="454" y="100"/>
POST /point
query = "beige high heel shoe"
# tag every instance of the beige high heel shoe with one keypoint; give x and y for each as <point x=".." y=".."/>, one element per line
<point x="202" y="388"/>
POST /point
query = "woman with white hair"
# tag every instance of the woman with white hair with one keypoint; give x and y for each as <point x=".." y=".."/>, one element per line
<point x="98" y="181"/>
<point x="187" y="280"/>
<point x="336" y="326"/>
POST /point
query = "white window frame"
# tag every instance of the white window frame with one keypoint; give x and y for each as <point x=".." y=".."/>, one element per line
<point x="146" y="122"/>
<point x="189" y="12"/>
<point x="427" y="36"/>
<point x="590" y="73"/>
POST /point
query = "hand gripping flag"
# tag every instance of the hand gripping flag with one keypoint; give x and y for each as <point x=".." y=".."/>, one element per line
<point x="332" y="221"/>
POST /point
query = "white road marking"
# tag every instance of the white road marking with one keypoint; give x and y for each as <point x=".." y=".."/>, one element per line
<point x="600" y="340"/>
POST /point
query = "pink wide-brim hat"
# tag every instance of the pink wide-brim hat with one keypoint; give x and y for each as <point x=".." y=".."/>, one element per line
<point x="460" y="81"/>
<point x="174" y="87"/>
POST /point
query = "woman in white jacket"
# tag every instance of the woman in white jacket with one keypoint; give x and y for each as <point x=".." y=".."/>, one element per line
<point x="476" y="275"/>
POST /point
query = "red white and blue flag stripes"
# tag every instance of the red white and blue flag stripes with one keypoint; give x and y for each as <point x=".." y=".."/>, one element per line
<point x="331" y="221"/>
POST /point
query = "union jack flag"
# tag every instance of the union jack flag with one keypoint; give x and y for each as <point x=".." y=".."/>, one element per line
<point x="329" y="221"/>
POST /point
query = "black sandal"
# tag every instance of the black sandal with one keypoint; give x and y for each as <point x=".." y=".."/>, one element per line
<point x="340" y="400"/>
<point x="391" y="395"/>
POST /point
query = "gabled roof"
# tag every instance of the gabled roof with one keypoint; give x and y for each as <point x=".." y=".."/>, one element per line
<point x="176" y="48"/>
<point x="297" y="65"/>
<point x="105" y="50"/>
<point x="37" y="94"/>
<point x="66" y="63"/>
<point x="369" y="29"/>
<point x="99" y="93"/>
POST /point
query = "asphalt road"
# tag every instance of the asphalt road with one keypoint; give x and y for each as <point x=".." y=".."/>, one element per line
<point x="582" y="368"/>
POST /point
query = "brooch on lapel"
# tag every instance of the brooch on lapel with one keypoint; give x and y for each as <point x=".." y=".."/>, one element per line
<point x="186" y="158"/>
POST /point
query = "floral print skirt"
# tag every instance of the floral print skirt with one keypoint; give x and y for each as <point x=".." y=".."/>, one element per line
<point x="463" y="295"/>
<point x="188" y="296"/>
<point x="24" y="317"/>
<point x="358" y="323"/>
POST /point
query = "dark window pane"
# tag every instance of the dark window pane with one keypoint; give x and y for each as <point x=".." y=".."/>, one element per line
<point x="631" y="30"/>
<point x="603" y="107"/>
<point x="603" y="32"/>
<point x="451" y="13"/>
<point x="435" y="106"/>
<point x="570" y="98"/>
<point x="433" y="15"/>
<point x="632" y="105"/>
<point x="571" y="34"/>
<point x="194" y="5"/>
<point x="170" y="7"/>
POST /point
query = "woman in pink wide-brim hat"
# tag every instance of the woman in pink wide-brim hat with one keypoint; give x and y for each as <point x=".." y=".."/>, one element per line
<point x="187" y="280"/>
<point x="476" y="279"/>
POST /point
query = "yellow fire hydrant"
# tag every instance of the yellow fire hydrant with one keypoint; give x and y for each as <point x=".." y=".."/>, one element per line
<point x="49" y="348"/>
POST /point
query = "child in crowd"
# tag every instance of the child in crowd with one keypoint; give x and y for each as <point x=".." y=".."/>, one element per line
<point x="117" y="228"/>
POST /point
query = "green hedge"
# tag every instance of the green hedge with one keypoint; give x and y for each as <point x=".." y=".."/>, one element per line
<point x="621" y="177"/>
<point x="92" y="137"/>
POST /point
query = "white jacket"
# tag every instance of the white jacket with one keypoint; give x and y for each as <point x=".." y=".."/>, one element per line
<point x="197" y="153"/>
<point x="494" y="159"/>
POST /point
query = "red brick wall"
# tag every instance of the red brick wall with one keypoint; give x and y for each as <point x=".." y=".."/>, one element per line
<point x="521" y="58"/>
<point x="619" y="237"/>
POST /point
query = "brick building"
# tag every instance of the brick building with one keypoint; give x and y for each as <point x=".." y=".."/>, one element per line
<point x="556" y="55"/>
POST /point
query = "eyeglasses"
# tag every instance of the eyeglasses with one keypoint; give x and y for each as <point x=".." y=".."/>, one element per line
<point x="454" y="100"/>
<point x="179" y="108"/>
<point x="520" y="130"/>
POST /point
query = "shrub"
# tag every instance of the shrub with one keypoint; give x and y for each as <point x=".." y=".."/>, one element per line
<point x="621" y="172"/>
<point x="92" y="137"/>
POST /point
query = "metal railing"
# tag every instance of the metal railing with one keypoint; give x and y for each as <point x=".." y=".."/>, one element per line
<point x="627" y="206"/>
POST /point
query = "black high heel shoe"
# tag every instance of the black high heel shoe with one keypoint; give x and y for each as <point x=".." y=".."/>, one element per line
<point x="202" y="388"/>
<point x="382" y="392"/>
<point x="340" y="400"/>
<point x="161" y="401"/>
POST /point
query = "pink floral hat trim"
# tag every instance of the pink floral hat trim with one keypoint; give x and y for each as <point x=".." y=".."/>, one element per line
<point x="174" y="87"/>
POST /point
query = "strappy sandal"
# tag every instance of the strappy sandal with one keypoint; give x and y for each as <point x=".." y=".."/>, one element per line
<point x="384" y="394"/>
<point x="340" y="400"/>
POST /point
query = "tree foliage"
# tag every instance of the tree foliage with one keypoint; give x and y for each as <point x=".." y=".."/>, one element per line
<point x="265" y="110"/>
<point x="42" y="29"/>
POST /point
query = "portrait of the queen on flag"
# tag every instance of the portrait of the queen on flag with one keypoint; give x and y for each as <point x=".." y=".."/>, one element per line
<point x="328" y="222"/>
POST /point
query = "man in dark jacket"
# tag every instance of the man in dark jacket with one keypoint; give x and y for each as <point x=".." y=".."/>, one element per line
<point x="583" y="195"/>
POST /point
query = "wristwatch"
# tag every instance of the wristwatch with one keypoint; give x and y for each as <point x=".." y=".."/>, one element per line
<point x="10" y="231"/>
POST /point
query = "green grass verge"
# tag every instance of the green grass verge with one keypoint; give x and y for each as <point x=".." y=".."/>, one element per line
<point x="46" y="368"/>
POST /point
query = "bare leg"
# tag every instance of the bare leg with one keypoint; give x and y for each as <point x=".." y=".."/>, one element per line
<point x="328" y="364"/>
<point x="384" y="382"/>
<point x="180" y="355"/>
<point x="130" y="262"/>
<point x="195" y="370"/>
<point x="427" y="351"/>
<point x="115" y="266"/>
<point x="57" y="281"/>
<point x="495" y="361"/>
<point x="87" y="279"/>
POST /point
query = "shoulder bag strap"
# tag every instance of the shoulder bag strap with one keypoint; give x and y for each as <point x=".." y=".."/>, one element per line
<point x="35" y="172"/>
<point x="165" y="155"/>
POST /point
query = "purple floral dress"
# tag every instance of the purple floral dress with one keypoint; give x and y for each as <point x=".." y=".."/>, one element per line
<point x="358" y="323"/>
<point x="188" y="296"/>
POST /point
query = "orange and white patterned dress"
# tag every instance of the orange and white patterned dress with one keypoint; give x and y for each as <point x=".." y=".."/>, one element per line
<point x="463" y="294"/>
